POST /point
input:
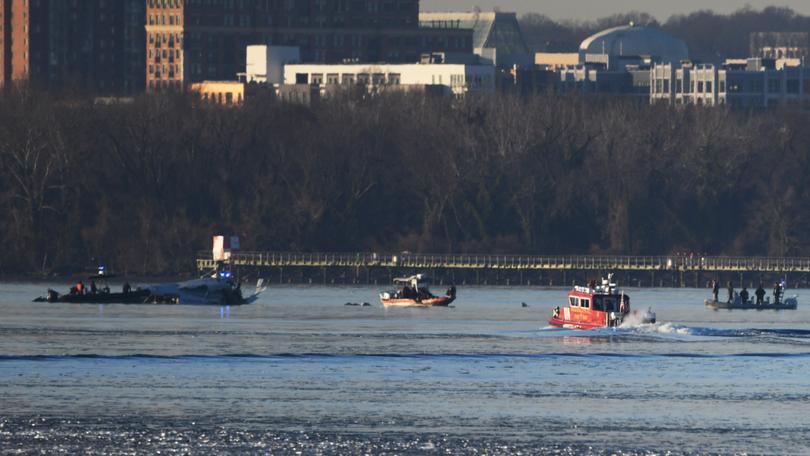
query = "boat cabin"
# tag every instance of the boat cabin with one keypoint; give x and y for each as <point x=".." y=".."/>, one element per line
<point x="590" y="299"/>
<point x="413" y="287"/>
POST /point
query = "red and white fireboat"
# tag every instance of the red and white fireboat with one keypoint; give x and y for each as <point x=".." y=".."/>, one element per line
<point x="598" y="306"/>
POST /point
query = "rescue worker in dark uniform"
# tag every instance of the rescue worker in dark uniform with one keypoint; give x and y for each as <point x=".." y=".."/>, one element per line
<point x="760" y="293"/>
<point x="715" y="289"/>
<point x="744" y="296"/>
<point x="730" y="291"/>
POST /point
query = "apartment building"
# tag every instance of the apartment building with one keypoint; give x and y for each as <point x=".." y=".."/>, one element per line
<point x="94" y="45"/>
<point x="195" y="40"/>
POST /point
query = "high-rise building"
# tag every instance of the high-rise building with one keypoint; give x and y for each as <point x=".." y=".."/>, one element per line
<point x="195" y="40"/>
<point x="5" y="42"/>
<point x="95" y="45"/>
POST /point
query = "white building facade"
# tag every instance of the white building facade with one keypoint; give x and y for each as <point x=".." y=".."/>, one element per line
<point x="452" y="79"/>
<point x="265" y="64"/>
<point x="752" y="85"/>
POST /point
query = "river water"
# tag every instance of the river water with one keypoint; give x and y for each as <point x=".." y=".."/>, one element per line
<point x="301" y="372"/>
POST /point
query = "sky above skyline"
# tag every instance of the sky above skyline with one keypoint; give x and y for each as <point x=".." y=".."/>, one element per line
<point x="593" y="9"/>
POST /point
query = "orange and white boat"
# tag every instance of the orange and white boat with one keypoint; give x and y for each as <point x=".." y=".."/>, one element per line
<point x="413" y="291"/>
<point x="597" y="306"/>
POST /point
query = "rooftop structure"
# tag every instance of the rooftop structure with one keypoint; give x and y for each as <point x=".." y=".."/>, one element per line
<point x="265" y="64"/>
<point x="780" y="45"/>
<point x="632" y="40"/>
<point x="496" y="35"/>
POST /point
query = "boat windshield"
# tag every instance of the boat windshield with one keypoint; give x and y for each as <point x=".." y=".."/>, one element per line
<point x="606" y="303"/>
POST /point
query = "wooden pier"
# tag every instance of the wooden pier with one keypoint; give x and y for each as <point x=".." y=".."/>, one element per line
<point x="671" y="270"/>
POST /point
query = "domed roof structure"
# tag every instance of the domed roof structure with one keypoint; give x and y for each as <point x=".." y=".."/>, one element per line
<point x="631" y="40"/>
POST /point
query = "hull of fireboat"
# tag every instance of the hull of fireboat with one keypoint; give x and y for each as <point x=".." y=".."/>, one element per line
<point x="568" y="324"/>
<point x="602" y="321"/>
<point x="439" y="301"/>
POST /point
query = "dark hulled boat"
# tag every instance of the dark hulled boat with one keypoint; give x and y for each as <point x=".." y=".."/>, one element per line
<point x="132" y="297"/>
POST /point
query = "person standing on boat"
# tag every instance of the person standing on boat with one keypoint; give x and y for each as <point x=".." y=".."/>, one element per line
<point x="715" y="289"/>
<point x="777" y="292"/>
<point x="127" y="288"/>
<point x="760" y="293"/>
<point x="730" y="291"/>
<point x="744" y="296"/>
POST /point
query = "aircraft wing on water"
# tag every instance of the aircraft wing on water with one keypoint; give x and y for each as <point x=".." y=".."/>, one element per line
<point x="213" y="290"/>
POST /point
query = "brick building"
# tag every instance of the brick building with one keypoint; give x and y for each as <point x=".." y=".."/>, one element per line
<point x="96" y="45"/>
<point x="194" y="40"/>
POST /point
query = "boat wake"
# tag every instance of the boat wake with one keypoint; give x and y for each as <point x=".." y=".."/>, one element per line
<point x="668" y="328"/>
<point x="660" y="328"/>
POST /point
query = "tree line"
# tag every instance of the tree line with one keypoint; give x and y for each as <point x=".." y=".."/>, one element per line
<point x="711" y="37"/>
<point x="143" y="186"/>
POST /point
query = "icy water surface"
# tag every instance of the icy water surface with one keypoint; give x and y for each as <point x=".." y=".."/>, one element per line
<point x="300" y="372"/>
